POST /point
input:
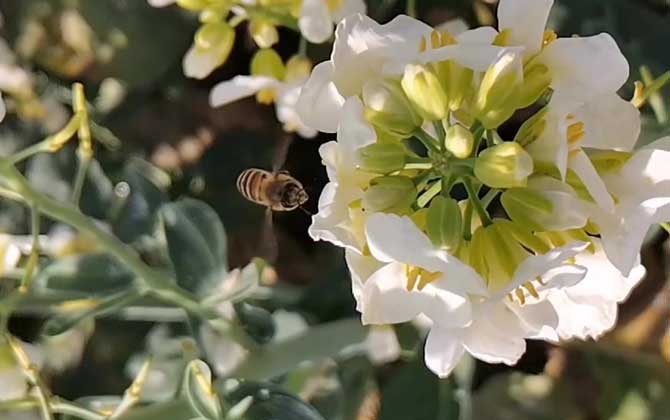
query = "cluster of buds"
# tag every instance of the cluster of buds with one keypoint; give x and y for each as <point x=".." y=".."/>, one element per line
<point x="494" y="239"/>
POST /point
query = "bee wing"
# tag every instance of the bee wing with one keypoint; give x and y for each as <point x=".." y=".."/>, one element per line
<point x="269" y="249"/>
<point x="281" y="151"/>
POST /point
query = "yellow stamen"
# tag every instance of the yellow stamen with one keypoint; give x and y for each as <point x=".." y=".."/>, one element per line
<point x="419" y="278"/>
<point x="575" y="133"/>
<point x="435" y="39"/>
<point x="334" y="5"/>
<point x="502" y="39"/>
<point x="427" y="278"/>
<point x="266" y="96"/>
<point x="531" y="289"/>
<point x="549" y="37"/>
<point x="520" y="295"/>
<point x="423" y="46"/>
<point x="448" y="39"/>
<point x="539" y="280"/>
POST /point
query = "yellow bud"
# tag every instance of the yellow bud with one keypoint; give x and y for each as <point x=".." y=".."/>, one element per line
<point x="266" y="62"/>
<point x="444" y="223"/>
<point x="505" y="165"/>
<point x="532" y="128"/>
<point x="388" y="108"/>
<point x="536" y="80"/>
<point x="392" y="194"/>
<point x="424" y="90"/>
<point x="527" y="207"/>
<point x="459" y="141"/>
<point x="497" y="97"/>
<point x="218" y="37"/>
<point x="264" y="33"/>
<point x="215" y="13"/>
<point x="501" y="253"/>
<point x="194" y="5"/>
<point x="298" y="68"/>
<point x="382" y="158"/>
<point x="456" y="82"/>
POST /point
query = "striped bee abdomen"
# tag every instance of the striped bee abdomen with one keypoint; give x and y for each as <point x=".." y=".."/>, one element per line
<point x="252" y="183"/>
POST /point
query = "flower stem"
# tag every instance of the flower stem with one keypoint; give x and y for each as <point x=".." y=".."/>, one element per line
<point x="427" y="140"/>
<point x="411" y="8"/>
<point x="476" y="203"/>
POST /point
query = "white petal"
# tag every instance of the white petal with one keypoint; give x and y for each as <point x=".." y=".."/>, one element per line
<point x="354" y="131"/>
<point x="320" y="103"/>
<point x="198" y="63"/>
<point x="495" y="336"/>
<point x="540" y="320"/>
<point x="537" y="265"/>
<point x="361" y="267"/>
<point x="551" y="146"/>
<point x="455" y="27"/>
<point x="610" y="123"/>
<point x="477" y="57"/>
<point x="161" y="3"/>
<point x="362" y="47"/>
<point x="580" y="163"/>
<point x="349" y="7"/>
<point x="526" y="20"/>
<point x="239" y="87"/>
<point x="661" y="144"/>
<point x="443" y="351"/>
<point x="568" y="211"/>
<point x="386" y="299"/>
<point x="484" y="35"/>
<point x="382" y="345"/>
<point x="332" y="223"/>
<point x="287" y="113"/>
<point x="315" y="22"/>
<point x="582" y="68"/>
<point x="3" y="110"/>
<point x="646" y="175"/>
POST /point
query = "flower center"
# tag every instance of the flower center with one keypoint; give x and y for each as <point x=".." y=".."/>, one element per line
<point x="549" y="37"/>
<point x="419" y="278"/>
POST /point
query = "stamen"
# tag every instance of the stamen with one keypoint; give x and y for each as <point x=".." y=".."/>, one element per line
<point x="531" y="289"/>
<point x="539" y="280"/>
<point x="427" y="278"/>
<point x="435" y="39"/>
<point x="549" y="37"/>
<point x="520" y="295"/>
<point x="412" y="274"/>
<point x="575" y="133"/>
<point x="334" y="5"/>
<point x="448" y="39"/>
<point x="266" y="96"/>
<point x="423" y="45"/>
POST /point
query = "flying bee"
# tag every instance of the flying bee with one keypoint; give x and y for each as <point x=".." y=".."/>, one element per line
<point x="276" y="190"/>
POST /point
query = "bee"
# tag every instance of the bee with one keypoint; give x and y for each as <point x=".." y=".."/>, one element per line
<point x="276" y="190"/>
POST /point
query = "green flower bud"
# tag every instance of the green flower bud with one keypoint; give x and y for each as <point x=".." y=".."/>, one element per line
<point x="213" y="35"/>
<point x="424" y="90"/>
<point x="388" y="108"/>
<point x="298" y="68"/>
<point x="266" y="62"/>
<point x="526" y="207"/>
<point x="459" y="141"/>
<point x="444" y="224"/>
<point x="497" y="97"/>
<point x="264" y="33"/>
<point x="505" y="165"/>
<point x="536" y="80"/>
<point x="608" y="161"/>
<point x="456" y="81"/>
<point x="382" y="158"/>
<point x="391" y="194"/>
<point x="215" y="13"/>
<point x="194" y="5"/>
<point x="532" y="128"/>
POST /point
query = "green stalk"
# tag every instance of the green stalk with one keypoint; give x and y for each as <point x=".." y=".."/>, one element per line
<point x="428" y="141"/>
<point x="476" y="203"/>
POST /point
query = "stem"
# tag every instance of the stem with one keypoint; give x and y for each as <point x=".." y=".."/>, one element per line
<point x="302" y="47"/>
<point x="476" y="203"/>
<point x="30" y="151"/>
<point x="427" y="140"/>
<point x="425" y="198"/>
<point x="33" y="260"/>
<point x="467" y="221"/>
<point x="489" y="197"/>
<point x="411" y="8"/>
<point x="32" y="375"/>
<point x="57" y="406"/>
<point x="441" y="133"/>
<point x="80" y="178"/>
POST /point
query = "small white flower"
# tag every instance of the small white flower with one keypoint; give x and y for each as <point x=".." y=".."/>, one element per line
<point x="318" y="16"/>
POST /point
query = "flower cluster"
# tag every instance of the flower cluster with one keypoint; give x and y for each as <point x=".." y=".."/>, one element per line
<point x="492" y="239"/>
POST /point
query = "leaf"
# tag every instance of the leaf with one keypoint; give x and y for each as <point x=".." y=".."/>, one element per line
<point x="270" y="402"/>
<point x="196" y="243"/>
<point x="256" y="321"/>
<point x="319" y="342"/>
<point x="88" y="275"/>
<point x="412" y="393"/>
<point x="136" y="215"/>
<point x="199" y="391"/>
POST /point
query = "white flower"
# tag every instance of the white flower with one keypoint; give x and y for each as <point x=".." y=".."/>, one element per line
<point x="365" y="50"/>
<point x="10" y="253"/>
<point x="287" y="93"/>
<point x="341" y="219"/>
<point x="317" y="17"/>
<point x="161" y="3"/>
<point x="382" y="345"/>
<point x="589" y="308"/>
<point x="642" y="189"/>
<point x="416" y="279"/>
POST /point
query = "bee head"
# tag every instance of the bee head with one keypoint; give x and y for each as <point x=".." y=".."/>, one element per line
<point x="293" y="196"/>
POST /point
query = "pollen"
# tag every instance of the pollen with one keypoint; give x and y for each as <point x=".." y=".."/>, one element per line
<point x="549" y="37"/>
<point x="266" y="96"/>
<point x="448" y="39"/>
<point x="419" y="278"/>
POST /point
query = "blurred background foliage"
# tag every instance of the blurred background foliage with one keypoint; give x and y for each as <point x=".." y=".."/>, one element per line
<point x="159" y="142"/>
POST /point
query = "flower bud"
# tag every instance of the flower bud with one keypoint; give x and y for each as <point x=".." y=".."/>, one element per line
<point x="424" y="90"/>
<point x="456" y="81"/>
<point x="382" y="158"/>
<point x="388" y="108"/>
<point x="505" y="165"/>
<point x="264" y="33"/>
<point x="444" y="223"/>
<point x="459" y="141"/>
<point x="496" y="255"/>
<point x="213" y="35"/>
<point x="497" y="96"/>
<point x="392" y="194"/>
<point x="194" y="5"/>
<point x="526" y="207"/>
<point x="266" y="62"/>
<point x="298" y="68"/>
<point x="536" y="80"/>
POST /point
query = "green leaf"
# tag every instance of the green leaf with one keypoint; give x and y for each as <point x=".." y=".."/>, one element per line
<point x="196" y="243"/>
<point x="256" y="321"/>
<point x="270" y="402"/>
<point x="319" y="342"/>
<point x="199" y="391"/>
<point x="88" y="275"/>
<point x="412" y="393"/>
